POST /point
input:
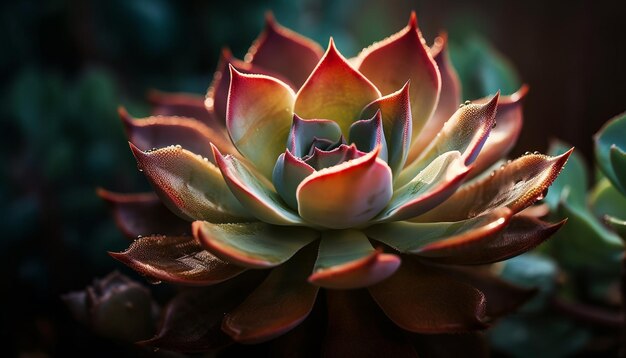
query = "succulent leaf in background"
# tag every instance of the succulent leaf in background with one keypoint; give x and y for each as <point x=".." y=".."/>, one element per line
<point x="303" y="170"/>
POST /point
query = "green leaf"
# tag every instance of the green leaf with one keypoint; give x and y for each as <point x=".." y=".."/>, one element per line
<point x="612" y="135"/>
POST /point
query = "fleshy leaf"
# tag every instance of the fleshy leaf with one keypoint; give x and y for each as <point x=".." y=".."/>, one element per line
<point x="389" y="64"/>
<point x="618" y="225"/>
<point x="618" y="162"/>
<point x="143" y="213"/>
<point x="466" y="131"/>
<point x="605" y="199"/>
<point x="522" y="234"/>
<point x="508" y="126"/>
<point x="346" y="195"/>
<point x="434" y="303"/>
<point x="416" y="237"/>
<point x="304" y="132"/>
<point x="255" y="192"/>
<point x="190" y="186"/>
<point x="254" y="245"/>
<point x="258" y="118"/>
<point x="397" y="124"/>
<point x="367" y="134"/>
<point x="288" y="174"/>
<point x="283" y="51"/>
<point x="321" y="159"/>
<point x="573" y="178"/>
<point x="176" y="259"/>
<point x="184" y="105"/>
<point x="428" y="189"/>
<point x="516" y="185"/>
<point x="279" y="304"/>
<point x="217" y="95"/>
<point x="347" y="260"/>
<point x="612" y="133"/>
<point x="159" y="131"/>
<point x="449" y="98"/>
<point x="358" y="328"/>
<point x="335" y="91"/>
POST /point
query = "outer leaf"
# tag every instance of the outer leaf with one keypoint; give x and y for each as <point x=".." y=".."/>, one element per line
<point x="303" y="133"/>
<point x="358" y="328"/>
<point x="389" y="64"/>
<point x="397" y="124"/>
<point x="367" y="134"/>
<point x="288" y="174"/>
<point x="335" y="91"/>
<point x="434" y="303"/>
<point x="508" y="126"/>
<point x="416" y="237"/>
<point x="573" y="179"/>
<point x="449" y="98"/>
<point x="158" y="132"/>
<point x="258" y="118"/>
<point x="517" y="185"/>
<point x="346" y="195"/>
<point x="428" y="189"/>
<point x="191" y="187"/>
<point x="522" y="234"/>
<point x="142" y="213"/>
<point x="254" y="192"/>
<point x="283" y="51"/>
<point x="618" y="162"/>
<point x="184" y="105"/>
<point x="254" y="245"/>
<point x="279" y="304"/>
<point x="612" y="133"/>
<point x="176" y="259"/>
<point x="347" y="260"/>
<point x="466" y="132"/>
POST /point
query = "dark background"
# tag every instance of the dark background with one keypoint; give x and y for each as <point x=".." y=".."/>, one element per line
<point x="66" y="65"/>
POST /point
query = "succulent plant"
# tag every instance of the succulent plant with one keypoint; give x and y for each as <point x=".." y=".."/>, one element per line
<point x="304" y="173"/>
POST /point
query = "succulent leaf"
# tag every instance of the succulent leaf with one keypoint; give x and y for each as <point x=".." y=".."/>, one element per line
<point x="346" y="195"/>
<point x="303" y="133"/>
<point x="347" y="260"/>
<point x="253" y="245"/>
<point x="191" y="187"/>
<point x="466" y="131"/>
<point x="283" y="51"/>
<point x="142" y="213"/>
<point x="255" y="192"/>
<point x="321" y="159"/>
<point x="508" y="126"/>
<point x="288" y="174"/>
<point x="605" y="199"/>
<point x="449" y="97"/>
<point x="176" y="259"/>
<point x="278" y="305"/>
<point x="367" y="134"/>
<point x="411" y="237"/>
<point x="185" y="105"/>
<point x="160" y="131"/>
<point x="435" y="303"/>
<point x="397" y="125"/>
<point x="259" y="115"/>
<point x="572" y="181"/>
<point x="335" y="91"/>
<point x="429" y="188"/>
<point x="390" y="63"/>
<point x="612" y="135"/>
<point x="516" y="185"/>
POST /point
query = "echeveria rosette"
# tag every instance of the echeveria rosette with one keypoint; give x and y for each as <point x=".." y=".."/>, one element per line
<point x="339" y="174"/>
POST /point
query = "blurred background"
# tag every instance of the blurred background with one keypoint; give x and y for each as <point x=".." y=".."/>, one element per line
<point x="67" y="65"/>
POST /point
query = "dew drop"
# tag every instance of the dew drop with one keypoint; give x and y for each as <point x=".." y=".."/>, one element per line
<point x="178" y="146"/>
<point x="527" y="153"/>
<point x="461" y="105"/>
<point x="493" y="125"/>
<point x="536" y="152"/>
<point x="467" y="102"/>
